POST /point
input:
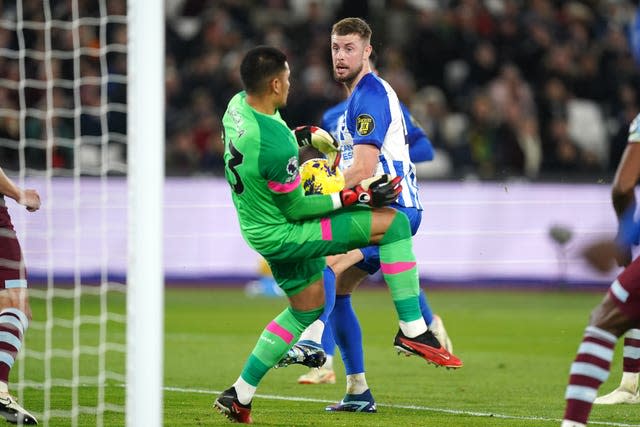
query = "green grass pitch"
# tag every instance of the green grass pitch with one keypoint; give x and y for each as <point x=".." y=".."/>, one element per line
<point x="517" y="348"/>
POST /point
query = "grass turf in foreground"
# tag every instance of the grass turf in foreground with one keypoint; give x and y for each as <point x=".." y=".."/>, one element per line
<point x="517" y="348"/>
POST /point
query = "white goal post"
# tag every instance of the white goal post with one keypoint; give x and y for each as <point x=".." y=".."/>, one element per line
<point x="64" y="70"/>
<point x="145" y="295"/>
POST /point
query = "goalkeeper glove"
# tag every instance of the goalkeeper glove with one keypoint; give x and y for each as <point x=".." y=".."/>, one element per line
<point x="377" y="191"/>
<point x="321" y="140"/>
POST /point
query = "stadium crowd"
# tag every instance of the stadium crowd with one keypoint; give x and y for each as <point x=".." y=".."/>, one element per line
<point x="540" y="90"/>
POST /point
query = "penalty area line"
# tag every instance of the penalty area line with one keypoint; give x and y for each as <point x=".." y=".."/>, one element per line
<point x="397" y="406"/>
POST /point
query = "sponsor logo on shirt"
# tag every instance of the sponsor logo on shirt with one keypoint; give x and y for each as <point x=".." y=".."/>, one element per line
<point x="292" y="169"/>
<point x="365" y="124"/>
<point x="237" y="120"/>
<point x="347" y="153"/>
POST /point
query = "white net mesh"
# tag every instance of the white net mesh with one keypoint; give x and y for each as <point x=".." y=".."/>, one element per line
<point x="63" y="132"/>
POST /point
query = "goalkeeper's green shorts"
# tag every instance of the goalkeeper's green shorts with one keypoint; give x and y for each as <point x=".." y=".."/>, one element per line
<point x="300" y="257"/>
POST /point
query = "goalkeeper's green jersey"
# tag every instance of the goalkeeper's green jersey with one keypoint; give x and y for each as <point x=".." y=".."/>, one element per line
<point x="261" y="166"/>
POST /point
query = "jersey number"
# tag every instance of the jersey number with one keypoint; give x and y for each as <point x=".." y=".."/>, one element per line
<point x="234" y="162"/>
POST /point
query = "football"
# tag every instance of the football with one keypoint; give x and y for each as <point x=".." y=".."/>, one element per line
<point x="318" y="177"/>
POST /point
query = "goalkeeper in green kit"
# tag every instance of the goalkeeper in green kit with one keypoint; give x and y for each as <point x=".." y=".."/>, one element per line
<point x="294" y="232"/>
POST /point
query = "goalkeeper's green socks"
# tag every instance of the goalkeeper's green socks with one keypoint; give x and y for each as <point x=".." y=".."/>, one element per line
<point x="398" y="266"/>
<point x="273" y="344"/>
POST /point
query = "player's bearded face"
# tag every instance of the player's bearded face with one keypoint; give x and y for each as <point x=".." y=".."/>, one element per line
<point x="344" y="75"/>
<point x="347" y="53"/>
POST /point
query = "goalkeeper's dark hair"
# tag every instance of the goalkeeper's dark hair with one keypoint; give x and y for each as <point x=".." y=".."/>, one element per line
<point x="259" y="66"/>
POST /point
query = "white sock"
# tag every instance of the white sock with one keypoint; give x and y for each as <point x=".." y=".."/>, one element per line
<point x="414" y="328"/>
<point x="244" y="390"/>
<point x="356" y="383"/>
<point x="313" y="332"/>
<point x="4" y="387"/>
<point x="629" y="381"/>
<point x="567" y="423"/>
<point x="329" y="363"/>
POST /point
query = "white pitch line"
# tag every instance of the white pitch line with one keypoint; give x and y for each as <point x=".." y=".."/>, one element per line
<point x="414" y="407"/>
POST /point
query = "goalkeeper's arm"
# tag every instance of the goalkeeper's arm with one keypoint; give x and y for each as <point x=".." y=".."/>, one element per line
<point x="377" y="191"/>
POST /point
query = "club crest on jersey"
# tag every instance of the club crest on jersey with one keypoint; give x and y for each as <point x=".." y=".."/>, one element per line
<point x="292" y="169"/>
<point x="365" y="124"/>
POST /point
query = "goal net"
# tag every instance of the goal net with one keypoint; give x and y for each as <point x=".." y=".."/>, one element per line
<point x="63" y="131"/>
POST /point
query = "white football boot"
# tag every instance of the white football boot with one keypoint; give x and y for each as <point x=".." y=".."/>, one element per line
<point x="319" y="375"/>
<point x="619" y="395"/>
<point x="627" y="391"/>
<point x="437" y="327"/>
<point x="13" y="412"/>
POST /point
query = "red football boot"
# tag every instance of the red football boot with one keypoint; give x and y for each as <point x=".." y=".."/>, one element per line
<point x="229" y="406"/>
<point x="428" y="347"/>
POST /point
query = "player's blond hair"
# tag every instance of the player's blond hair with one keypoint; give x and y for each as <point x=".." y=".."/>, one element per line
<point x="348" y="26"/>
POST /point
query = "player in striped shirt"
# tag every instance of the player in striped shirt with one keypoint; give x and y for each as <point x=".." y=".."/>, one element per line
<point x="15" y="311"/>
<point x="420" y="150"/>
<point x="619" y="312"/>
<point x="624" y="204"/>
<point x="373" y="138"/>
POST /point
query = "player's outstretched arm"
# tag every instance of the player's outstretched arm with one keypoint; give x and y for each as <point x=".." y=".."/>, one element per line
<point x="28" y="198"/>
<point x="376" y="191"/>
<point x="420" y="148"/>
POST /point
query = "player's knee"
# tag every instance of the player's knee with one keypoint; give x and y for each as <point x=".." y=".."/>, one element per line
<point x="307" y="317"/>
<point x="608" y="317"/>
<point x="399" y="229"/>
<point x="347" y="282"/>
<point x="310" y="298"/>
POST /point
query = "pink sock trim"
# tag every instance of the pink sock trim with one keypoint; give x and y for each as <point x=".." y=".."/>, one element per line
<point x="325" y="225"/>
<point x="278" y="330"/>
<point x="396" y="267"/>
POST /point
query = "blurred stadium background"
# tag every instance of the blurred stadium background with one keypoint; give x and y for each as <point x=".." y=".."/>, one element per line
<point x="526" y="103"/>
<point x="537" y="91"/>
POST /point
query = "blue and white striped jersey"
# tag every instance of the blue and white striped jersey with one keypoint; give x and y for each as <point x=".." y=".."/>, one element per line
<point x="374" y="116"/>
<point x="420" y="147"/>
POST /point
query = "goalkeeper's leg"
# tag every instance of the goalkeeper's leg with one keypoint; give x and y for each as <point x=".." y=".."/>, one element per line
<point x="307" y="303"/>
<point x="392" y="232"/>
<point x="308" y="351"/>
